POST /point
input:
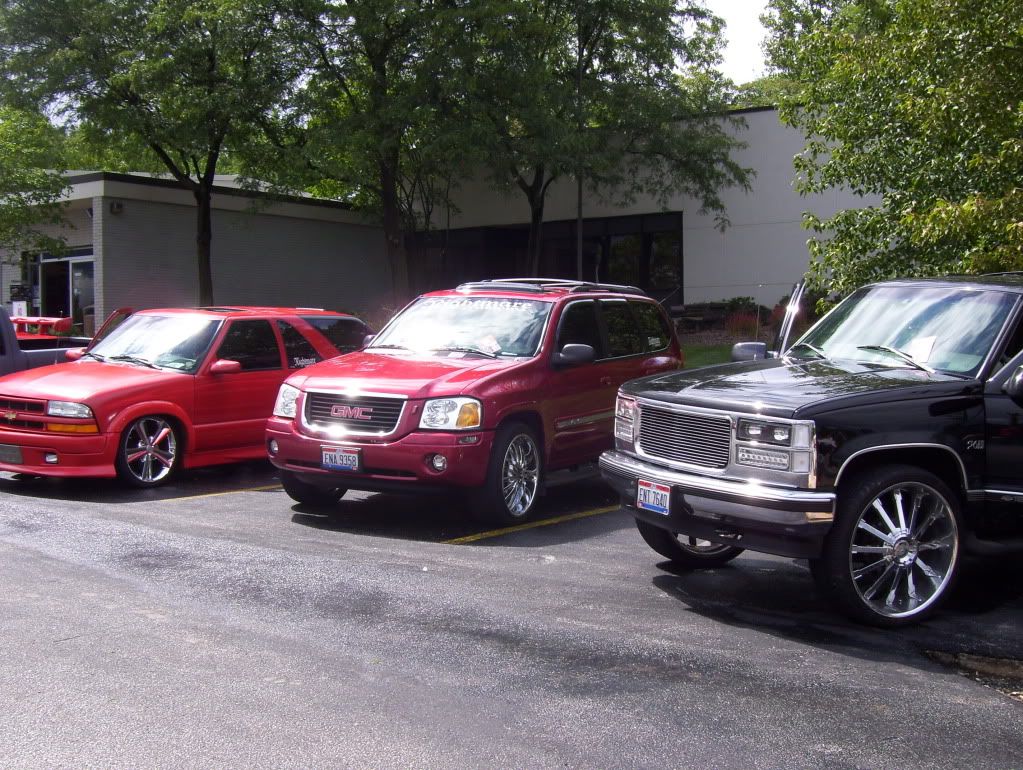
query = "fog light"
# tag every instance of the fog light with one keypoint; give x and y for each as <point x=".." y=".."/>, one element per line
<point x="50" y="458"/>
<point x="273" y="446"/>
<point x="439" y="462"/>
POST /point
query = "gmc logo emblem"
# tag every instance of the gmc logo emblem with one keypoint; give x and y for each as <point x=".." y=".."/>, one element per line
<point x="345" y="412"/>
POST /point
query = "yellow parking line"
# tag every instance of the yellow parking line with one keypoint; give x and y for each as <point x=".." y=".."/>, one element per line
<point x="218" y="494"/>
<point x="530" y="525"/>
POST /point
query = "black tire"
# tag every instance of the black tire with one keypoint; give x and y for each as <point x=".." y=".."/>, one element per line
<point x="149" y="451"/>
<point x="309" y="494"/>
<point x="684" y="551"/>
<point x="514" y="477"/>
<point x="873" y="563"/>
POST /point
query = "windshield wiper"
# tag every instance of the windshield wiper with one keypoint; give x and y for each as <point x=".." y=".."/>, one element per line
<point x="97" y="356"/>
<point x="476" y="351"/>
<point x="134" y="360"/>
<point x="387" y="347"/>
<point x="813" y="348"/>
<point x="898" y="354"/>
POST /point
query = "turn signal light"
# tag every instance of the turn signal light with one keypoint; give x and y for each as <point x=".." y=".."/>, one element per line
<point x="66" y="427"/>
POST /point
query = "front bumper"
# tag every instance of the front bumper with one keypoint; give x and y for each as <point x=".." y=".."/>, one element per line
<point x="393" y="465"/>
<point x="787" y="522"/>
<point x="84" y="455"/>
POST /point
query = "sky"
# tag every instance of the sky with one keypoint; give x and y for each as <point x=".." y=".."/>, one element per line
<point x="744" y="61"/>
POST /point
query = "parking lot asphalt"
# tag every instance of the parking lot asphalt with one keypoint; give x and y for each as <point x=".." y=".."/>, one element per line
<point x="215" y="622"/>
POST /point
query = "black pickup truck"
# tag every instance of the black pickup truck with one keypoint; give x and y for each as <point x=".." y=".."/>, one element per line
<point x="881" y="445"/>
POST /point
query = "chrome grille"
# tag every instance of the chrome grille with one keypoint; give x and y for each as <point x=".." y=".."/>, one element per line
<point x="359" y="414"/>
<point x="685" y="437"/>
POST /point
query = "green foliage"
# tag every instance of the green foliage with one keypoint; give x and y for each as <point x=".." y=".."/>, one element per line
<point x="918" y="102"/>
<point x="768" y="91"/>
<point x="31" y="184"/>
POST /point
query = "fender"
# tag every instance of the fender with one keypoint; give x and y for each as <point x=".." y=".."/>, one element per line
<point x="118" y="421"/>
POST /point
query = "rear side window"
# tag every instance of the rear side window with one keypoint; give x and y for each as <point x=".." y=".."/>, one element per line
<point x="653" y="329"/>
<point x="623" y="336"/>
<point x="579" y="326"/>
<point x="253" y="344"/>
<point x="346" y="334"/>
<point x="298" y="350"/>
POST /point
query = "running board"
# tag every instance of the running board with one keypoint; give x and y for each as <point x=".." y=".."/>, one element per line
<point x="582" y="472"/>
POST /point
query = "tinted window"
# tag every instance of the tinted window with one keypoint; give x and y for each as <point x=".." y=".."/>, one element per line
<point x="252" y="344"/>
<point x="298" y="350"/>
<point x="623" y="338"/>
<point x="579" y="327"/>
<point x="346" y="334"/>
<point x="653" y="330"/>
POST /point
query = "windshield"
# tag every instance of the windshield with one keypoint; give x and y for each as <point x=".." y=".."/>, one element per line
<point x="176" y="342"/>
<point x="488" y="326"/>
<point x="945" y="329"/>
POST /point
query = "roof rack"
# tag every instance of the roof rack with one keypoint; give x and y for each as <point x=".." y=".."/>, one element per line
<point x="540" y="285"/>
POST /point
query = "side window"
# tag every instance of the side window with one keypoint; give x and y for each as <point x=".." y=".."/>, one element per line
<point x="654" y="333"/>
<point x="578" y="326"/>
<point x="252" y="344"/>
<point x="346" y="334"/>
<point x="1013" y="347"/>
<point x="297" y="349"/>
<point x="623" y="337"/>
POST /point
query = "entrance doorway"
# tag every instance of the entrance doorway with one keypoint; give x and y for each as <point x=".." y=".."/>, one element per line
<point x="64" y="286"/>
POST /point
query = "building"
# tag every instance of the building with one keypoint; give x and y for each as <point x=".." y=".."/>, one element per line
<point x="131" y="242"/>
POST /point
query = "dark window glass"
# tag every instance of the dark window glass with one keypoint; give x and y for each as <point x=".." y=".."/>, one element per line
<point x="653" y="330"/>
<point x="664" y="260"/>
<point x="252" y="344"/>
<point x="579" y="326"/>
<point x="623" y="263"/>
<point x="346" y="334"/>
<point x="297" y="349"/>
<point x="623" y="338"/>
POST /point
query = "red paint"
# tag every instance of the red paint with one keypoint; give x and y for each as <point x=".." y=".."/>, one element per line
<point x="221" y="410"/>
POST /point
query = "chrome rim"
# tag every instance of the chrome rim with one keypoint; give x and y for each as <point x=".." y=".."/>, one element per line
<point x="903" y="549"/>
<point x="700" y="547"/>
<point x="520" y="475"/>
<point x="150" y="448"/>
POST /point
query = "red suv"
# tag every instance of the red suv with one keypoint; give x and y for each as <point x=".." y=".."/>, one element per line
<point x="487" y="388"/>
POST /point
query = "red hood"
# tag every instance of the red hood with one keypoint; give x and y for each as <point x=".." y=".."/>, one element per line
<point x="83" y="381"/>
<point x="413" y="376"/>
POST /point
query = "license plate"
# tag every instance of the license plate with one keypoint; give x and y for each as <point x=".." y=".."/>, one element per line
<point x="10" y="454"/>
<point x="338" y="458"/>
<point x="653" y="497"/>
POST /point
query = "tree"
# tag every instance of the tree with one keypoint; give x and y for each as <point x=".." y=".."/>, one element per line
<point x="188" y="79"/>
<point x="614" y="92"/>
<point x="917" y="102"/>
<point x="31" y="184"/>
<point x="768" y="91"/>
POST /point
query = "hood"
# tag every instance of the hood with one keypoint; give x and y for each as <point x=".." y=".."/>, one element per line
<point x="83" y="381"/>
<point x="783" y="388"/>
<point x="415" y="376"/>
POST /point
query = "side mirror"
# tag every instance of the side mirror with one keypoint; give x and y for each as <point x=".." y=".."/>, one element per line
<point x="73" y="354"/>
<point x="749" y="351"/>
<point x="574" y="354"/>
<point x="225" y="366"/>
<point x="368" y="339"/>
<point x="1014" y="387"/>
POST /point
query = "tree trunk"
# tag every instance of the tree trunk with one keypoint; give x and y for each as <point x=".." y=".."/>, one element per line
<point x="394" y="233"/>
<point x="203" y="240"/>
<point x="535" y="234"/>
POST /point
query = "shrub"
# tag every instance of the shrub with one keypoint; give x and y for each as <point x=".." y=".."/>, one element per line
<point x="743" y="324"/>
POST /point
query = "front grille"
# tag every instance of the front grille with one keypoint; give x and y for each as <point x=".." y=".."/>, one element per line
<point x="26" y="424"/>
<point x="20" y="405"/>
<point x="685" y="437"/>
<point x="359" y="414"/>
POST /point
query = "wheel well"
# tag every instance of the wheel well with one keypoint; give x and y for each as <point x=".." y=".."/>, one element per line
<point x="532" y="419"/>
<point x="941" y="462"/>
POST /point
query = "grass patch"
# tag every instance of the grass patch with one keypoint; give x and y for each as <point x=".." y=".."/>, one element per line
<point x="705" y="355"/>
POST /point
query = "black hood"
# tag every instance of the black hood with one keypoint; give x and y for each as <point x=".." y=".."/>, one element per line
<point x="789" y="388"/>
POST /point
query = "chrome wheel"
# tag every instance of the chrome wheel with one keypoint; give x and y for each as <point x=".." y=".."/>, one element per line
<point x="520" y="475"/>
<point x="903" y="549"/>
<point x="696" y="546"/>
<point x="149" y="449"/>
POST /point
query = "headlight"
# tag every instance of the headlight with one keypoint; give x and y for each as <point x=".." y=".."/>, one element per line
<point x="451" y="414"/>
<point x="625" y="418"/>
<point x="796" y="435"/>
<point x="287" y="402"/>
<point x="68" y="409"/>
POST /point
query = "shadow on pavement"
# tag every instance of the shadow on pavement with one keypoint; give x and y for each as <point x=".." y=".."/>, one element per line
<point x="435" y="518"/>
<point x="984" y="614"/>
<point x="189" y="483"/>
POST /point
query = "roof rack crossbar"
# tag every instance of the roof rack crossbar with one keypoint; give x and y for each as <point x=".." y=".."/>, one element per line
<point x="541" y="284"/>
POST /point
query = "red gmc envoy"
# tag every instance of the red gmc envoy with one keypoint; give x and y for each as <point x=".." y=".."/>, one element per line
<point x="486" y="388"/>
